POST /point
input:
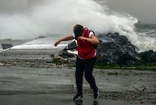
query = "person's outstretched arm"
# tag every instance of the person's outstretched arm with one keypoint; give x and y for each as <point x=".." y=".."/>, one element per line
<point x="67" y="38"/>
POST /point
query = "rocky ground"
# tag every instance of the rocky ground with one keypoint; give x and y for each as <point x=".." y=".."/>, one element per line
<point x="32" y="72"/>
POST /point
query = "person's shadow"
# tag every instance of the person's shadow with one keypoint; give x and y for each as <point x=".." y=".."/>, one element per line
<point x="80" y="102"/>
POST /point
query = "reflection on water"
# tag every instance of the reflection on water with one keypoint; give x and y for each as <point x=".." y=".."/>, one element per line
<point x="95" y="103"/>
<point x="80" y="102"/>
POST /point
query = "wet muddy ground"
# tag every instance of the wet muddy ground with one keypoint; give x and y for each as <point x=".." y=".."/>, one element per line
<point x="25" y="78"/>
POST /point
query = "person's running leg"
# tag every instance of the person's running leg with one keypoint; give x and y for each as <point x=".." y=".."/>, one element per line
<point x="89" y="77"/>
<point x="79" y="78"/>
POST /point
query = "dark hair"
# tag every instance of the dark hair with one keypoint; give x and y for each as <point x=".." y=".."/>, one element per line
<point x="78" y="30"/>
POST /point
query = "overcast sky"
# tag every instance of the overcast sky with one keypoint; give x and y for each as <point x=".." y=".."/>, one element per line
<point x="144" y="10"/>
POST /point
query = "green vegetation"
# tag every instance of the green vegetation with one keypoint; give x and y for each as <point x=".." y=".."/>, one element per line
<point x="60" y="61"/>
<point x="57" y="61"/>
<point x="127" y="67"/>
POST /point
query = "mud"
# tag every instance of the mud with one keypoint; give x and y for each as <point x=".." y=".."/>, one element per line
<point x="29" y="76"/>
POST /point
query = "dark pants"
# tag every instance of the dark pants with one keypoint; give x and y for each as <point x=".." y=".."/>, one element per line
<point x="87" y="67"/>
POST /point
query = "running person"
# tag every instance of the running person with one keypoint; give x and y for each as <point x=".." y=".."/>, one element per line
<point x="85" y="60"/>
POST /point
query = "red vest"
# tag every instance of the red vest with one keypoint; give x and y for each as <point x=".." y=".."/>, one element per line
<point x="84" y="47"/>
